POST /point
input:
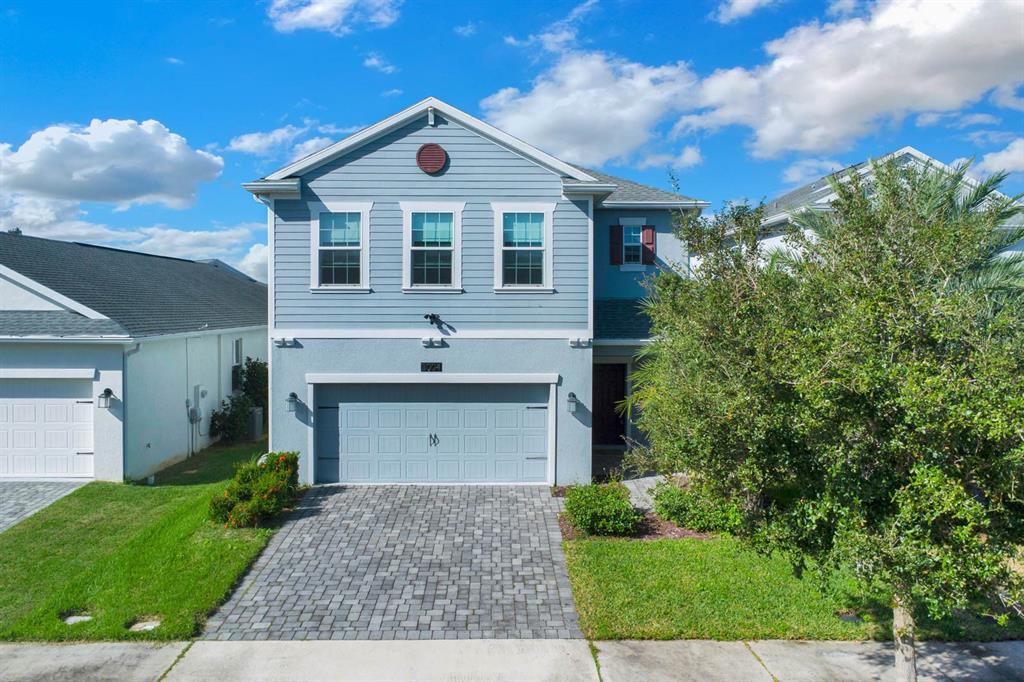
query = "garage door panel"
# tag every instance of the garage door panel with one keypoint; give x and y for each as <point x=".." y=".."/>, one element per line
<point x="389" y="445"/>
<point x="24" y="414"/>
<point x="56" y="440"/>
<point x="443" y="433"/>
<point x="449" y="470"/>
<point x="46" y="427"/>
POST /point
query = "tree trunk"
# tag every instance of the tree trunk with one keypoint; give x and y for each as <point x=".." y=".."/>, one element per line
<point x="903" y="636"/>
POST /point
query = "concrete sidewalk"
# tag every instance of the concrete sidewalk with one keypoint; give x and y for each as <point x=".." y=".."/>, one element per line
<point x="503" y="660"/>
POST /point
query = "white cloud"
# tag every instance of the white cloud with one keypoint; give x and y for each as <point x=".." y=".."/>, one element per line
<point x="842" y="7"/>
<point x="174" y="60"/>
<point x="592" y="107"/>
<point x="466" y="30"/>
<point x="333" y="16"/>
<point x="807" y="170"/>
<point x="307" y="147"/>
<point x="1010" y="159"/>
<point x="969" y="120"/>
<point x="254" y="263"/>
<point x="117" y="161"/>
<point x="828" y="84"/>
<point x="984" y="138"/>
<point x="560" y="35"/>
<point x="54" y="219"/>
<point x="330" y="129"/>
<point x="377" y="62"/>
<point x="193" y="244"/>
<point x="731" y="10"/>
<point x="929" y="118"/>
<point x="1006" y="96"/>
<point x="268" y="143"/>
<point x="393" y="92"/>
<point x="689" y="157"/>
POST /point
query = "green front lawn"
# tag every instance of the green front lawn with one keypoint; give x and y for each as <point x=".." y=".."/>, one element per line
<point x="121" y="552"/>
<point x="718" y="589"/>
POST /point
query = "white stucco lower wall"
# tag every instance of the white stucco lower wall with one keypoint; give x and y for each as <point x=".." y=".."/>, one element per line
<point x="161" y="375"/>
<point x="106" y="361"/>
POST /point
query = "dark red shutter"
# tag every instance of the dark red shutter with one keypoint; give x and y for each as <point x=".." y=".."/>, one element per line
<point x="615" y="244"/>
<point x="647" y="239"/>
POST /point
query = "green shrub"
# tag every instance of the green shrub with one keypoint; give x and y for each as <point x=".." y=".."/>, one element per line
<point x="260" y="490"/>
<point x="255" y="383"/>
<point x="693" y="509"/>
<point x="231" y="421"/>
<point x="601" y="509"/>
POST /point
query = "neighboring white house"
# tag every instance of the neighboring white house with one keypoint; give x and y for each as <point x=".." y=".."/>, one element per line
<point x="111" y="361"/>
<point x="819" y="195"/>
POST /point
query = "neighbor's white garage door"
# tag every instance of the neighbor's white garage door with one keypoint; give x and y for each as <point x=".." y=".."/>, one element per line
<point x="45" y="428"/>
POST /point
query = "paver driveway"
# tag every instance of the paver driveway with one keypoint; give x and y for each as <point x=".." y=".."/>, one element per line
<point x="408" y="562"/>
<point x="21" y="499"/>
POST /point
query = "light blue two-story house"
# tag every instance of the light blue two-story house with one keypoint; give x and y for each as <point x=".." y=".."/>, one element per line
<point x="450" y="304"/>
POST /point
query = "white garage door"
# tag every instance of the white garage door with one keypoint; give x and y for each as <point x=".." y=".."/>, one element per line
<point x="45" y="428"/>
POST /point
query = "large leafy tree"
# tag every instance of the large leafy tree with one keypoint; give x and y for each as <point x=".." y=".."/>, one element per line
<point x="860" y="393"/>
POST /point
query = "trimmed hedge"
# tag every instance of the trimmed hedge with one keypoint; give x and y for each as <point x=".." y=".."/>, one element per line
<point x="690" y="508"/>
<point x="260" y="490"/>
<point x="601" y="509"/>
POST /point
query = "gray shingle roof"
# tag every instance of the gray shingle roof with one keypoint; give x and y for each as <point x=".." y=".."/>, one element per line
<point x="817" y="194"/>
<point x="619" y="318"/>
<point x="627" y="190"/>
<point x="144" y="295"/>
<point x="55" y="323"/>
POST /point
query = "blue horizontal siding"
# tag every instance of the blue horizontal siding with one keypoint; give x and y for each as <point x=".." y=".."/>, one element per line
<point x="385" y="173"/>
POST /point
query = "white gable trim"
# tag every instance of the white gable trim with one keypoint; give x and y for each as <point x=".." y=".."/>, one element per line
<point x="46" y="292"/>
<point x="417" y="110"/>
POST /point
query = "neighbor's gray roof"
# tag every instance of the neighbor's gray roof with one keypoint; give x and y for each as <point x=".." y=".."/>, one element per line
<point x="817" y="194"/>
<point x="143" y="295"/>
<point x="55" y="323"/>
<point x="619" y="318"/>
<point x="627" y="190"/>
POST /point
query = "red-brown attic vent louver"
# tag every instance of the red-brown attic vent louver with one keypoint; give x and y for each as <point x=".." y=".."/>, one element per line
<point x="431" y="158"/>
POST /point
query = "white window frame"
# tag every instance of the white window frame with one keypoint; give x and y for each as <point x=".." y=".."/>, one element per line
<point x="548" y="209"/>
<point x="237" y="356"/>
<point x="455" y="208"/>
<point x="363" y="209"/>
<point x="633" y="222"/>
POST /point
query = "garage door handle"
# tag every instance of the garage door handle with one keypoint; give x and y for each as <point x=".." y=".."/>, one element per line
<point x="536" y="407"/>
<point x="530" y="458"/>
<point x="84" y="453"/>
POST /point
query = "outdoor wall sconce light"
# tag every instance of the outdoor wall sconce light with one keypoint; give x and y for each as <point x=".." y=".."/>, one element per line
<point x="573" y="403"/>
<point x="103" y="402"/>
<point x="291" y="400"/>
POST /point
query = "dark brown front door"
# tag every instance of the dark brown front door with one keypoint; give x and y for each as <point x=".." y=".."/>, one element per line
<point x="609" y="390"/>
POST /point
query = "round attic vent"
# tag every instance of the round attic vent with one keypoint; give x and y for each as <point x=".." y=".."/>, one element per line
<point x="431" y="158"/>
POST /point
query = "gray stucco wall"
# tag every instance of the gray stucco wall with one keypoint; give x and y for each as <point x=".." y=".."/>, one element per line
<point x="615" y="281"/>
<point x="290" y="430"/>
<point x="384" y="172"/>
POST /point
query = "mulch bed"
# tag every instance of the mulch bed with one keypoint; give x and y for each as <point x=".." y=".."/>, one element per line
<point x="651" y="528"/>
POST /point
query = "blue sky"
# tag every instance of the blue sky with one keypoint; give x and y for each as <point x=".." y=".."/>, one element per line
<point x="134" y="123"/>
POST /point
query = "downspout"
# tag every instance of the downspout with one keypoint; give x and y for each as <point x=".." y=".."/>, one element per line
<point x="124" y="406"/>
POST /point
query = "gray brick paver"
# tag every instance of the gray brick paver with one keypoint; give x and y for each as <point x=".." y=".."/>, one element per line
<point x="408" y="562"/>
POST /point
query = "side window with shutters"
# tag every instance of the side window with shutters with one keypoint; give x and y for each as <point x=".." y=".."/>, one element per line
<point x="632" y="243"/>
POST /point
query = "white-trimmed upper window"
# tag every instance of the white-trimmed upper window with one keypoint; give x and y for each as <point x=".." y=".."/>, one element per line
<point x="340" y="243"/>
<point x="523" y="246"/>
<point x="632" y="246"/>
<point x="432" y="253"/>
<point x="236" y="352"/>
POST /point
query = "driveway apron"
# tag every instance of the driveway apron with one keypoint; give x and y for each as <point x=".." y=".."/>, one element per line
<point x="21" y="499"/>
<point x="408" y="562"/>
